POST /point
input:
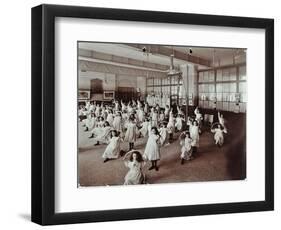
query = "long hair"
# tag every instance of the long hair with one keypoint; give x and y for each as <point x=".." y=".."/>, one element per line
<point x="139" y="156"/>
<point x="156" y="131"/>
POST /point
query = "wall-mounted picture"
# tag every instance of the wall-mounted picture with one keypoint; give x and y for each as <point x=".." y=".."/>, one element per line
<point x="83" y="94"/>
<point x="143" y="131"/>
<point x="108" y="95"/>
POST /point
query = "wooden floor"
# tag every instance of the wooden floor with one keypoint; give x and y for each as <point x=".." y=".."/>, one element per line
<point x="211" y="163"/>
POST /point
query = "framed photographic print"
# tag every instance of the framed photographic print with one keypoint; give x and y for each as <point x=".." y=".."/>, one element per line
<point x="135" y="114"/>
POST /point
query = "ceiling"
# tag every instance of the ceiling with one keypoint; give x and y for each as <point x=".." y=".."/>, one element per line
<point x="220" y="56"/>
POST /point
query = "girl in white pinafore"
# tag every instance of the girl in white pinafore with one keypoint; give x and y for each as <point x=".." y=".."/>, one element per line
<point x="152" y="151"/>
<point x="135" y="165"/>
<point x="139" y="105"/>
<point x="164" y="140"/>
<point x="154" y="118"/>
<point x="140" y="114"/>
<point x="110" y="118"/>
<point x="116" y="106"/>
<point x="112" y="150"/>
<point x="144" y="129"/>
<point x="221" y="120"/>
<point x="161" y="116"/>
<point x="145" y="108"/>
<point x="186" y="147"/>
<point x="97" y="111"/>
<point x="218" y="137"/>
<point x="194" y="134"/>
<point x="198" y="118"/>
<point x="103" y="135"/>
<point x="171" y="125"/>
<point x="167" y="111"/>
<point x="123" y="106"/>
<point x="117" y="122"/>
<point x="90" y="122"/>
<point x="178" y="124"/>
<point x="131" y="133"/>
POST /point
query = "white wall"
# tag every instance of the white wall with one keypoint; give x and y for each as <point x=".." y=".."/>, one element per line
<point x="15" y="137"/>
<point x="111" y="81"/>
<point x="84" y="80"/>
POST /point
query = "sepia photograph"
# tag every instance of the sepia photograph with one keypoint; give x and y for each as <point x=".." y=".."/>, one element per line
<point x="153" y="114"/>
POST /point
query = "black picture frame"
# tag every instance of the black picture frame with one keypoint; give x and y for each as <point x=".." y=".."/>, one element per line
<point x="43" y="114"/>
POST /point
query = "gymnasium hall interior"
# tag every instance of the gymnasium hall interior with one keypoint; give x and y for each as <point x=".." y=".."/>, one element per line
<point x="170" y="87"/>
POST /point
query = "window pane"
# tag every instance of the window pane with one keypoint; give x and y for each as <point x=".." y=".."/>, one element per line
<point x="232" y="76"/>
<point x="149" y="90"/>
<point x="201" y="77"/>
<point x="232" y="97"/>
<point x="219" y="88"/>
<point x="206" y="76"/>
<point x="211" y="88"/>
<point x="232" y="87"/>
<point x="242" y="87"/>
<point x="212" y="96"/>
<point x="225" y="96"/>
<point x="205" y="88"/>
<point x="225" y="74"/>
<point x="225" y="87"/>
<point x="243" y="97"/>
<point x="211" y="76"/>
<point x="242" y="73"/>
<point x="219" y="96"/>
<point x="219" y="75"/>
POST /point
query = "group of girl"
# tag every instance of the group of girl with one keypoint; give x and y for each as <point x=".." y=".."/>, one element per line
<point x="122" y="122"/>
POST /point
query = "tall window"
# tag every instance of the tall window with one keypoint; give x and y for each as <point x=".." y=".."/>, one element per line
<point x="224" y="85"/>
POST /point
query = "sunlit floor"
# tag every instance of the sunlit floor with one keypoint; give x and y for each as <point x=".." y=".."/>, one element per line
<point x="210" y="164"/>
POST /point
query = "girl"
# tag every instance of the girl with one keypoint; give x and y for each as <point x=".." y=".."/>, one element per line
<point x="131" y="133"/>
<point x="145" y="128"/>
<point x="113" y="148"/>
<point x="218" y="137"/>
<point x="171" y="126"/>
<point x="145" y="108"/>
<point x="139" y="105"/>
<point x="164" y="140"/>
<point x="135" y="165"/>
<point x="178" y="124"/>
<point x="194" y="134"/>
<point x="167" y="111"/>
<point x="152" y="152"/>
<point x="221" y="120"/>
<point x="140" y="114"/>
<point x="198" y="118"/>
<point x="90" y="122"/>
<point x="161" y="116"/>
<point x="98" y="127"/>
<point x="154" y="117"/>
<point x="123" y="106"/>
<point x="103" y="135"/>
<point x="97" y="110"/>
<point x="110" y="118"/>
<point x="117" y="122"/>
<point x="186" y="147"/>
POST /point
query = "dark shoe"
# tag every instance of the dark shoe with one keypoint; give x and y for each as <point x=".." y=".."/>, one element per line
<point x="92" y="136"/>
<point x="86" y="129"/>
<point x="97" y="143"/>
<point x="182" y="161"/>
<point x="105" y="160"/>
<point x="156" y="168"/>
<point x="151" y="167"/>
